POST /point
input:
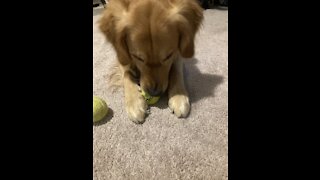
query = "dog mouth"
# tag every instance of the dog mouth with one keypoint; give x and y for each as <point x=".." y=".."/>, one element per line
<point x="136" y="77"/>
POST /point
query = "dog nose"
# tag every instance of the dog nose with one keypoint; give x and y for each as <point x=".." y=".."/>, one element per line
<point x="154" y="92"/>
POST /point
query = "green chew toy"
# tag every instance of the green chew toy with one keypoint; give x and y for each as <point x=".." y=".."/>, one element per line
<point x="100" y="109"/>
<point x="150" y="100"/>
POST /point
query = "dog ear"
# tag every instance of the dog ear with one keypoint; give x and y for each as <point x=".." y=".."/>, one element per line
<point x="121" y="47"/>
<point x="113" y="26"/>
<point x="186" y="41"/>
<point x="188" y="14"/>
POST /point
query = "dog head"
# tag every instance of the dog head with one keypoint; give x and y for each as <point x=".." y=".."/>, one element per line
<point x="151" y="35"/>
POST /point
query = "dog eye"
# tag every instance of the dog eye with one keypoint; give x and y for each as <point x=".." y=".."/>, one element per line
<point x="137" y="57"/>
<point x="168" y="57"/>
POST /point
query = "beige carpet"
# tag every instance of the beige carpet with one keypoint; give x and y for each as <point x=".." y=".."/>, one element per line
<point x="165" y="147"/>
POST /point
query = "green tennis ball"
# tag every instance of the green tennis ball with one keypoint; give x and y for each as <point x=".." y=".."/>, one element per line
<point x="100" y="109"/>
<point x="150" y="100"/>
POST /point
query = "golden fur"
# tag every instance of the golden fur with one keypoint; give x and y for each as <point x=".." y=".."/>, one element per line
<point x="149" y="37"/>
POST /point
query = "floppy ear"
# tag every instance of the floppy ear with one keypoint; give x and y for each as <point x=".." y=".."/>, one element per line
<point x="113" y="26"/>
<point x="188" y="16"/>
<point x="186" y="41"/>
<point x="121" y="47"/>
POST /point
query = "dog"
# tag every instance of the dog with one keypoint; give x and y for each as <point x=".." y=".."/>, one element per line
<point x="151" y="38"/>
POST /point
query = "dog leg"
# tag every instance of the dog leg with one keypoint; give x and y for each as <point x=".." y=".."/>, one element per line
<point x="178" y="95"/>
<point x="136" y="105"/>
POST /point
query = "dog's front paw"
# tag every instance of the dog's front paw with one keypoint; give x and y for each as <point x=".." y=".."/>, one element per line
<point x="179" y="105"/>
<point x="136" y="108"/>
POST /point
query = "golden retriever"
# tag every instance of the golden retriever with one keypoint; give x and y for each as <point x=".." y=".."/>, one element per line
<point x="150" y="37"/>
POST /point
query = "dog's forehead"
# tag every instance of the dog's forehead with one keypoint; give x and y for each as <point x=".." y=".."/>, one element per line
<point x="150" y="34"/>
<point x="150" y="17"/>
<point x="154" y="46"/>
<point x="152" y="38"/>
